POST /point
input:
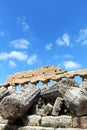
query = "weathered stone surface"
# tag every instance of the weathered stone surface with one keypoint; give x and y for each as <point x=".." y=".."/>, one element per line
<point x="83" y="122"/>
<point x="57" y="106"/>
<point x="3" y="126"/>
<point x="47" y="128"/>
<point x="57" y="121"/>
<point x="16" y="105"/>
<point x="58" y="89"/>
<point x="70" y="129"/>
<point x="3" y="121"/>
<point x="44" y="74"/>
<point x="8" y="127"/>
<point x="41" y="74"/>
<point x="76" y="122"/>
<point x="34" y="120"/>
<point x="76" y="101"/>
<point x="35" y="128"/>
<point x="80" y="122"/>
<point x="39" y="111"/>
<point x="3" y="92"/>
<point x="48" y="109"/>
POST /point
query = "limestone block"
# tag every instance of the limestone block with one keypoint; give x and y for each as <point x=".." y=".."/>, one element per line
<point x="39" y="111"/>
<point x="84" y="122"/>
<point x="58" y="121"/>
<point x="3" y="121"/>
<point x="48" y="109"/>
<point x="16" y="105"/>
<point x="75" y="122"/>
<point x="57" y="106"/>
<point x="35" y="128"/>
<point x="80" y="122"/>
<point x="76" y="101"/>
<point x="34" y="120"/>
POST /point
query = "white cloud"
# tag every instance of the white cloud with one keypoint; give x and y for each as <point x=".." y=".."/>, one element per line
<point x="20" y="56"/>
<point x="14" y="54"/>
<point x="22" y="22"/>
<point x="67" y="56"/>
<point x="32" y="59"/>
<point x="49" y="46"/>
<point x="83" y="36"/>
<point x="20" y="43"/>
<point x="64" y="40"/>
<point x="71" y="65"/>
<point x="12" y="64"/>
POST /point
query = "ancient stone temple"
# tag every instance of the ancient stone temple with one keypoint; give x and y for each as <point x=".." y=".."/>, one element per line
<point x="60" y="105"/>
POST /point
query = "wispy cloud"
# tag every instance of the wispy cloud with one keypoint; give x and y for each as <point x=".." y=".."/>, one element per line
<point x="13" y="55"/>
<point x="64" y="40"/>
<point x="83" y="36"/>
<point x="19" y="56"/>
<point x="20" y="43"/>
<point x="49" y="46"/>
<point x="12" y="64"/>
<point x="23" y="24"/>
<point x="66" y="56"/>
<point x="32" y="59"/>
<point x="71" y="65"/>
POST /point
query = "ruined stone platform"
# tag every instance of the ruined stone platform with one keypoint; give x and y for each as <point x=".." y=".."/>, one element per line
<point x="2" y="126"/>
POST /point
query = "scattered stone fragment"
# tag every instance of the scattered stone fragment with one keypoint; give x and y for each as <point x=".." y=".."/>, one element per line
<point x="17" y="104"/>
<point x="3" y="92"/>
<point x="34" y="120"/>
<point x="3" y="121"/>
<point x="57" y="106"/>
<point x="79" y="122"/>
<point x="76" y="101"/>
<point x="57" y="121"/>
<point x="48" y="109"/>
<point x="58" y="89"/>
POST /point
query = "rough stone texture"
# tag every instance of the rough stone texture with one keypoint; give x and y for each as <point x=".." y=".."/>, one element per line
<point x="70" y="129"/>
<point x="80" y="122"/>
<point x="3" y="121"/>
<point x="83" y="122"/>
<point x="76" y="101"/>
<point x="75" y="122"/>
<point x="57" y="106"/>
<point x="3" y="92"/>
<point x="45" y="128"/>
<point x="44" y="74"/>
<point x="48" y="109"/>
<point x="35" y="128"/>
<point x="8" y="127"/>
<point x="39" y="111"/>
<point x="2" y="126"/>
<point x="41" y="74"/>
<point x="34" y="120"/>
<point x="58" y="89"/>
<point x="58" y="121"/>
<point x="16" y="105"/>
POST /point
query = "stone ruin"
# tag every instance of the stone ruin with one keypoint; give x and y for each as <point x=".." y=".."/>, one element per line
<point x="44" y="74"/>
<point x="63" y="104"/>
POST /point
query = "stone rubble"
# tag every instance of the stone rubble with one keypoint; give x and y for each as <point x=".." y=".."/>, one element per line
<point x="62" y="105"/>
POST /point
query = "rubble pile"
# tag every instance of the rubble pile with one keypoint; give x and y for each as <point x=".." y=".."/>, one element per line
<point x="61" y="105"/>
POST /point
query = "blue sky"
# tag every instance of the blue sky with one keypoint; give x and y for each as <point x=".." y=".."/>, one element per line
<point x="35" y="33"/>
